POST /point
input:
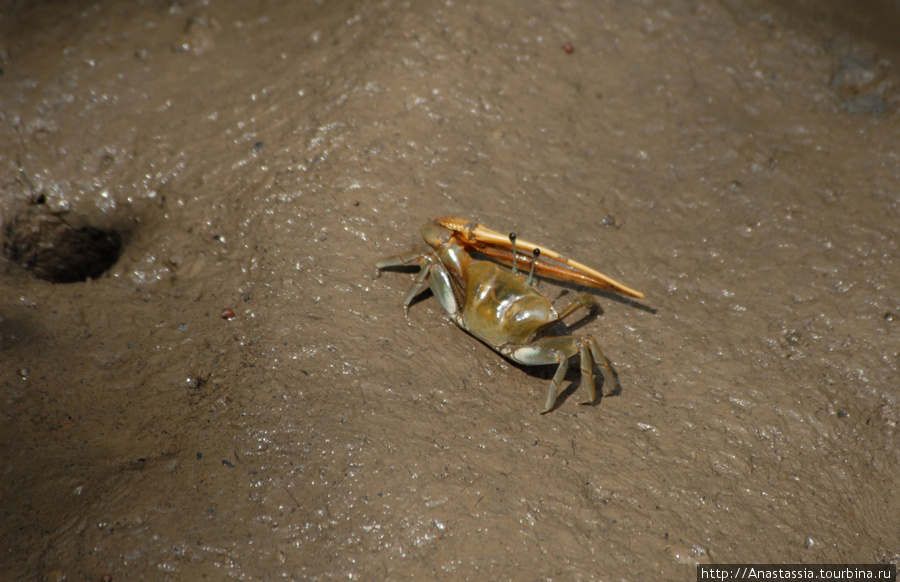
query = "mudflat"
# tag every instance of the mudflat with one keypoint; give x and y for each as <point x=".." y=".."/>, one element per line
<point x="202" y="378"/>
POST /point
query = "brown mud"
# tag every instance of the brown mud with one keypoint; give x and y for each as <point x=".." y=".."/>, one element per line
<point x="738" y="162"/>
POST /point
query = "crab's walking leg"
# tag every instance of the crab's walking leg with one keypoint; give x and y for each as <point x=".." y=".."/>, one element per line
<point x="555" y="383"/>
<point x="432" y="274"/>
<point x="587" y="370"/>
<point x="550" y="350"/>
<point x="584" y="301"/>
<point x="609" y="383"/>
<point x="558" y="350"/>
<point x="592" y="354"/>
<point x="420" y="283"/>
<point x="397" y="261"/>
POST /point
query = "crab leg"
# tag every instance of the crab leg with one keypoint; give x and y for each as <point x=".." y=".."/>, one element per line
<point x="609" y="383"/>
<point x="420" y="283"/>
<point x="587" y="371"/>
<point x="558" y="350"/>
<point x="592" y="354"/>
<point x="403" y="260"/>
<point x="432" y="274"/>
<point x="558" y="377"/>
<point x="583" y="301"/>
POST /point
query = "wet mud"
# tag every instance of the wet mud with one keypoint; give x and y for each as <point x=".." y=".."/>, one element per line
<point x="239" y="397"/>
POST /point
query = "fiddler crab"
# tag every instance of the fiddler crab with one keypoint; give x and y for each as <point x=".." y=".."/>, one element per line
<point x="499" y="306"/>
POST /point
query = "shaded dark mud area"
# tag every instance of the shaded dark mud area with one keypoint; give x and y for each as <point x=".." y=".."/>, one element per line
<point x="737" y="162"/>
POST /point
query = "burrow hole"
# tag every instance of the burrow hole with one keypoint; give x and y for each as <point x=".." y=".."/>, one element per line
<point x="48" y="246"/>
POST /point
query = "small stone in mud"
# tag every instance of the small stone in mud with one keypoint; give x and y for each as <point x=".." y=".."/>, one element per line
<point x="611" y="220"/>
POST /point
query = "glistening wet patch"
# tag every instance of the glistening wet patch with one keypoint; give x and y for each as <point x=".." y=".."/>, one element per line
<point x="50" y="248"/>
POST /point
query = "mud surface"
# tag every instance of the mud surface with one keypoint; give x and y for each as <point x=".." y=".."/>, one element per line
<point x="738" y="162"/>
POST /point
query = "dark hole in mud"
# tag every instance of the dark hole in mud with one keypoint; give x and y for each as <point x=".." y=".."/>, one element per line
<point x="50" y="248"/>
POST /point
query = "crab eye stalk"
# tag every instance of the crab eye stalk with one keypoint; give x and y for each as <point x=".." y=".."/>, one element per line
<point x="537" y="253"/>
<point x="512" y="241"/>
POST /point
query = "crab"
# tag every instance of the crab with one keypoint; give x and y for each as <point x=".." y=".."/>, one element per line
<point x="500" y="306"/>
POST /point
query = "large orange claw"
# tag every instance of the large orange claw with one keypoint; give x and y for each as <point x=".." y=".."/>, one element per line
<point x="551" y="264"/>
